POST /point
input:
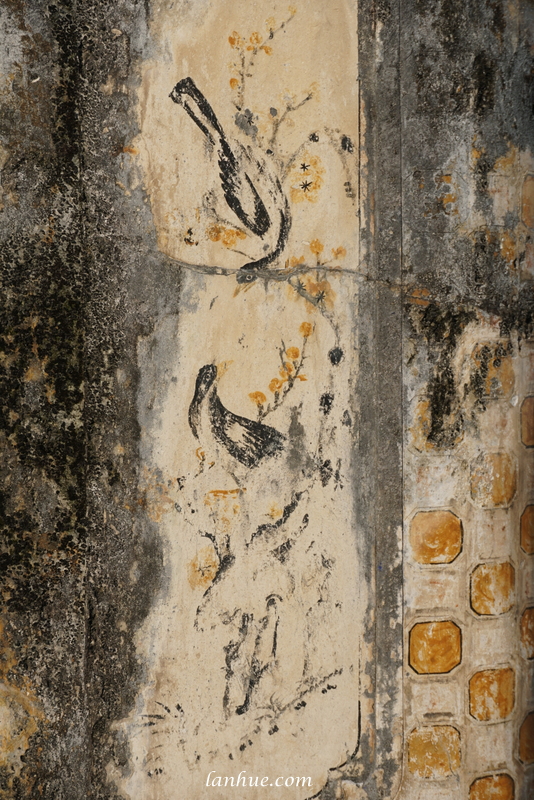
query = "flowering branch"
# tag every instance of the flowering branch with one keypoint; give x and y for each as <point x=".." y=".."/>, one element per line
<point x="292" y="360"/>
<point x="255" y="44"/>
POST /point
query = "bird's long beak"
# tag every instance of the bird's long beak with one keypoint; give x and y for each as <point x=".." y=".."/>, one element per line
<point x="243" y="287"/>
<point x="223" y="367"/>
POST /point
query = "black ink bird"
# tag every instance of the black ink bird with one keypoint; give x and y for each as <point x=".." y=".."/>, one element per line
<point x="250" y="657"/>
<point x="240" y="175"/>
<point x="244" y="439"/>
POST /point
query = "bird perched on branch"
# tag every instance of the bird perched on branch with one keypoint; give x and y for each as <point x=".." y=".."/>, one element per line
<point x="244" y="439"/>
<point x="254" y="195"/>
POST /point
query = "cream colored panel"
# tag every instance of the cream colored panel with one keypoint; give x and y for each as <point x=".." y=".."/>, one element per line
<point x="252" y="654"/>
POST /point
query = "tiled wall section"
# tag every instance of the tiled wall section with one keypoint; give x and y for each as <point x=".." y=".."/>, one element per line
<point x="469" y="587"/>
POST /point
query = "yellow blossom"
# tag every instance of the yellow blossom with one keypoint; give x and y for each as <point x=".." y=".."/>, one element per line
<point x="230" y="237"/>
<point x="306" y="178"/>
<point x="255" y="38"/>
<point x="293" y="352"/>
<point x="227" y="236"/>
<point x="275" y="385"/>
<point x="306" y="329"/>
<point x="316" y="247"/>
<point x="235" y="39"/>
<point x="234" y="83"/>
<point x="214" y="232"/>
<point x="275" y="512"/>
<point x="339" y="252"/>
<point x="258" y="398"/>
<point x="266" y="49"/>
<point x="294" y="262"/>
<point x="319" y="291"/>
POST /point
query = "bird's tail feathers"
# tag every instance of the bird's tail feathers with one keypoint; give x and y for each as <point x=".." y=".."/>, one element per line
<point x="188" y="95"/>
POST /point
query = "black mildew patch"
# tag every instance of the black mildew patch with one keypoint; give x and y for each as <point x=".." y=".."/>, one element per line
<point x="326" y="402"/>
<point x="484" y="382"/>
<point x="484" y="73"/>
<point x="347" y="144"/>
<point x="335" y="355"/>
<point x="326" y="471"/>
<point x="442" y="326"/>
<point x="328" y="688"/>
<point x="346" y="419"/>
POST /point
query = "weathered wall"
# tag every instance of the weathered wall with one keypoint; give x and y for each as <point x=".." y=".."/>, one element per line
<point x="44" y="435"/>
<point x="467" y="254"/>
<point x="118" y="524"/>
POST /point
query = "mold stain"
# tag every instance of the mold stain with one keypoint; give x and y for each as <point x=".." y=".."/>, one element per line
<point x="20" y="716"/>
<point x="493" y="373"/>
<point x="500" y="252"/>
<point x="441" y="418"/>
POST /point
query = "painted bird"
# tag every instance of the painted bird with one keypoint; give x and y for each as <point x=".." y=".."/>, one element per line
<point x="250" y="656"/>
<point x="254" y="195"/>
<point x="244" y="439"/>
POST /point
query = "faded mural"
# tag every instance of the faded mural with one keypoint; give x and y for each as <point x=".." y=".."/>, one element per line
<point x="249" y="155"/>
